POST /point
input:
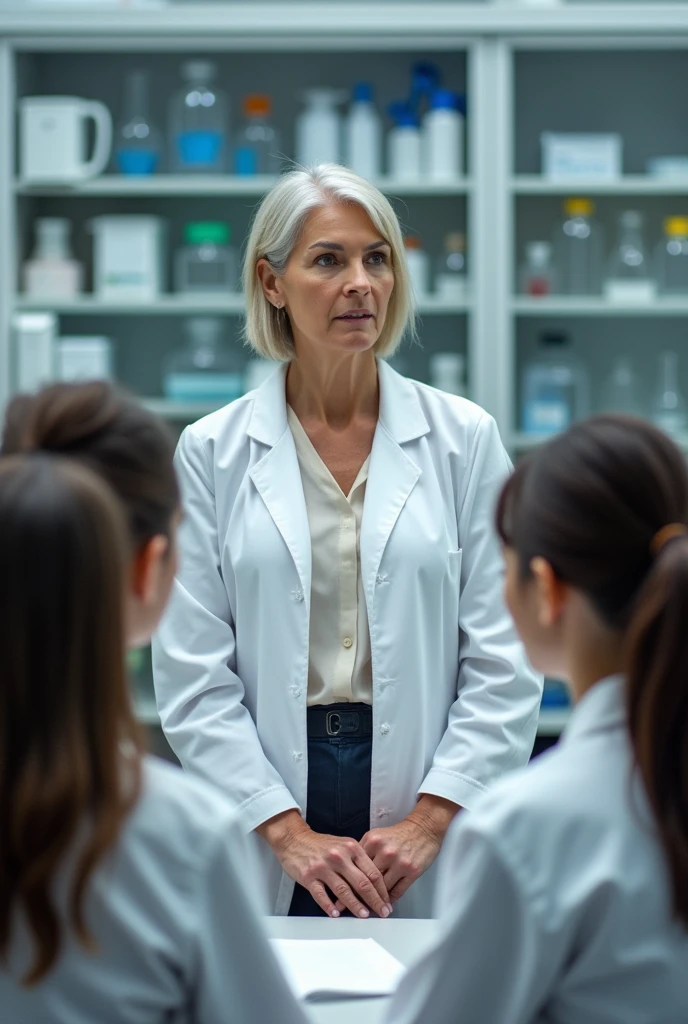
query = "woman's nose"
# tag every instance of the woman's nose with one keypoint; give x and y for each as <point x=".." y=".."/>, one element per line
<point x="358" y="279"/>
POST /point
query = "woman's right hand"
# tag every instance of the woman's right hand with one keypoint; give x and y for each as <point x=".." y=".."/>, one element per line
<point x="318" y="861"/>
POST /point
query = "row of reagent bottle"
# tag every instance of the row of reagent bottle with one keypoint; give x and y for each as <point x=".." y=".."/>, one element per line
<point x="450" y="274"/>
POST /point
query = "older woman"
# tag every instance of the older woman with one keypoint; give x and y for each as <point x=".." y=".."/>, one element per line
<point x="337" y="656"/>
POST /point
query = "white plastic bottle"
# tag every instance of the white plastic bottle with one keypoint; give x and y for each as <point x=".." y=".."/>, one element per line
<point x="52" y="273"/>
<point x="363" y="134"/>
<point x="404" y="146"/>
<point x="418" y="266"/>
<point x="443" y="131"/>
<point x="319" y="128"/>
<point x="447" y="371"/>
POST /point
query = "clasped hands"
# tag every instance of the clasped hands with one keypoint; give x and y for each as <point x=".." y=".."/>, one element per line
<point x="370" y="875"/>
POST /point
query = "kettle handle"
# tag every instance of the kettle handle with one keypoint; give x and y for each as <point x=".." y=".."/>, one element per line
<point x="103" y="145"/>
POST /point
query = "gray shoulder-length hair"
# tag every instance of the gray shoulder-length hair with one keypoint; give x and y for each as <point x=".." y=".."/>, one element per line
<point x="275" y="231"/>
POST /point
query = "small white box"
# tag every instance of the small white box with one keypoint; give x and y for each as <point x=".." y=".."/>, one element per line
<point x="84" y="358"/>
<point x="128" y="258"/>
<point x="34" y="348"/>
<point x="578" y="157"/>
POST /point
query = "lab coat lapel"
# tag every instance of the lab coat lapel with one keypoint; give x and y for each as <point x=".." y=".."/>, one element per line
<point x="393" y="473"/>
<point x="277" y="476"/>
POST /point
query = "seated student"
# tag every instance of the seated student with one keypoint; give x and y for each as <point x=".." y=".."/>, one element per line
<point x="564" y="896"/>
<point x="123" y="888"/>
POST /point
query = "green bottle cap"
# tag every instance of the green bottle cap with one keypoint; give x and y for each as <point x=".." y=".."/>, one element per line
<point x="204" y="232"/>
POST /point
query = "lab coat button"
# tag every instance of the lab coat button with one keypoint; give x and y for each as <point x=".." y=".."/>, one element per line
<point x="347" y="641"/>
<point x="384" y="729"/>
<point x="381" y="578"/>
<point x="297" y="595"/>
<point x="297" y="755"/>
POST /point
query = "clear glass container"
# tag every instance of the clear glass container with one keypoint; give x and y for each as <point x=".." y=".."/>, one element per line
<point x="199" y="122"/>
<point x="450" y="280"/>
<point x="206" y="263"/>
<point x="578" y="250"/>
<point x="621" y="393"/>
<point x="672" y="257"/>
<point x="537" y="273"/>
<point x="257" y="148"/>
<point x="629" y="277"/>
<point x="555" y="388"/>
<point x="205" y="369"/>
<point x="138" y="143"/>
<point x="669" y="406"/>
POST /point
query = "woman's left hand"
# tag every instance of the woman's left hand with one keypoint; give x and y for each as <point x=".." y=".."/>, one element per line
<point x="405" y="851"/>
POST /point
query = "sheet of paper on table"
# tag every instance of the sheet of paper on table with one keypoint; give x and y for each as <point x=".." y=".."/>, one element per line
<point x="331" y="968"/>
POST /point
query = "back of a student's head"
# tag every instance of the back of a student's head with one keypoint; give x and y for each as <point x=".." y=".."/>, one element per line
<point x="597" y="522"/>
<point x="132" y="450"/>
<point x="65" y="713"/>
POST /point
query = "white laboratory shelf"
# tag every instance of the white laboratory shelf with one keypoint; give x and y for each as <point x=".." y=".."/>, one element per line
<point x="160" y="185"/>
<point x="552" y="721"/>
<point x="180" y="411"/>
<point x="184" y="305"/>
<point x="562" y="305"/>
<point x="167" y="305"/>
<point x="628" y="185"/>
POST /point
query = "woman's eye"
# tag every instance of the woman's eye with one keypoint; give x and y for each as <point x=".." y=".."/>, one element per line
<point x="378" y="258"/>
<point x="326" y="256"/>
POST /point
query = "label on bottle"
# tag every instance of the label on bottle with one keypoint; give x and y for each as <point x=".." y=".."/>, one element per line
<point x="203" y="387"/>
<point x="546" y="416"/>
<point x="641" y="291"/>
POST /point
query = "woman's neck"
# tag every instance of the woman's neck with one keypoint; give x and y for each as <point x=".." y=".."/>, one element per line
<point x="334" y="391"/>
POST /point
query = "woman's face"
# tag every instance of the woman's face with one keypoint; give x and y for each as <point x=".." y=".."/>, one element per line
<point x="338" y="281"/>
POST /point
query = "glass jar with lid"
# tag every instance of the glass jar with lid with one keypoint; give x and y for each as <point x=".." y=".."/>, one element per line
<point x="207" y="263"/>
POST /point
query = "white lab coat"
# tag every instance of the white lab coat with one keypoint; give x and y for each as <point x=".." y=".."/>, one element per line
<point x="180" y="940"/>
<point x="454" y="703"/>
<point x="554" y="896"/>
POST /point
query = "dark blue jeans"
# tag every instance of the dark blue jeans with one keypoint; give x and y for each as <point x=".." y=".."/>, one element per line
<point x="338" y="798"/>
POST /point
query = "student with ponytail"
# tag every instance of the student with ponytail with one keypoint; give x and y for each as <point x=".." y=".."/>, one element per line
<point x="123" y="891"/>
<point x="564" y="895"/>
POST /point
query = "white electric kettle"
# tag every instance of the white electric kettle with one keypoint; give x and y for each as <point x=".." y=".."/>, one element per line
<point x="54" y="139"/>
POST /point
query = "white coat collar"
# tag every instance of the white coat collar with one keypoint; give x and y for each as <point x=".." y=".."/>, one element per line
<point x="401" y="413"/>
<point x="601" y="709"/>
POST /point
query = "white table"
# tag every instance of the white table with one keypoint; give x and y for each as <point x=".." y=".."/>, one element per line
<point x="404" y="938"/>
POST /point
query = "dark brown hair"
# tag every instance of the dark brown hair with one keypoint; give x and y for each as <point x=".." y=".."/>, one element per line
<point x="110" y="433"/>
<point x="590" y="502"/>
<point x="70" y="747"/>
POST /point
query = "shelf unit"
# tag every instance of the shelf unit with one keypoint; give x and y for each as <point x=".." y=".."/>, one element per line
<point x="608" y="67"/>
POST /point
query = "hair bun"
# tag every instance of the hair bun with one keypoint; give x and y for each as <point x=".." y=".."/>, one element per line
<point x="59" y="419"/>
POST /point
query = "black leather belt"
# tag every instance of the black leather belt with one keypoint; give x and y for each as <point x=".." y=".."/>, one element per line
<point x="332" y="720"/>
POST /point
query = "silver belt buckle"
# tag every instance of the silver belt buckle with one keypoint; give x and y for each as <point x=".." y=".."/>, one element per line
<point x="332" y="717"/>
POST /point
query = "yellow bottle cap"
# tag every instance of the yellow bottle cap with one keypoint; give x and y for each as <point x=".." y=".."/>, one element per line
<point x="579" y="207"/>
<point x="676" y="226"/>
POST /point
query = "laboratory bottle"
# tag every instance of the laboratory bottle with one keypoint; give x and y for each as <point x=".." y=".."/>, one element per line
<point x="669" y="407"/>
<point x="450" y="279"/>
<point x="199" y="122"/>
<point x="319" y="128"/>
<point x="426" y="79"/>
<point x="555" y="388"/>
<point x="206" y="262"/>
<point x="257" y="149"/>
<point x="404" y="145"/>
<point x="204" y="370"/>
<point x="443" y="132"/>
<point x="537" y="273"/>
<point x="418" y="266"/>
<point x="52" y="273"/>
<point x="630" y="278"/>
<point x="672" y="257"/>
<point x="363" y="134"/>
<point x="578" y="249"/>
<point x="447" y="372"/>
<point x="138" y="142"/>
<point x="621" y="392"/>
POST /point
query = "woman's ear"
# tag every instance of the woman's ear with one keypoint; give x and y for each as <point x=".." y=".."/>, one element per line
<point x="270" y="282"/>
<point x="551" y="593"/>
<point x="145" y="574"/>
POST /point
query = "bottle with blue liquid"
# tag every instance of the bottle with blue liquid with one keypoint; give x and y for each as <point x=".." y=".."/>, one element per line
<point x="199" y="122"/>
<point x="138" y="142"/>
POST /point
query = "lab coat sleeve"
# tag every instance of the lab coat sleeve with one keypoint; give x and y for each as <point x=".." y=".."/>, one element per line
<point x="236" y="975"/>
<point x="198" y="691"/>
<point x="493" y="960"/>
<point x="492" y="723"/>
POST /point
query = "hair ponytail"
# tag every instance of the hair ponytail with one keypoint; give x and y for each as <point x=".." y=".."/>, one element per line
<point x="657" y="695"/>
<point x="593" y="502"/>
